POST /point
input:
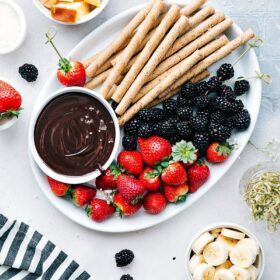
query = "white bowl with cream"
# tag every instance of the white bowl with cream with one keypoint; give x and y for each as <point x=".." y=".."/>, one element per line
<point x="12" y="26"/>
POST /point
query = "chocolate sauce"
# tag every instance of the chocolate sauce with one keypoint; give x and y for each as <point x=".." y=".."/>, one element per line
<point x="74" y="134"/>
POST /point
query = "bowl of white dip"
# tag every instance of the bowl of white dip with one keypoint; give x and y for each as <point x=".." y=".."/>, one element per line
<point x="12" y="26"/>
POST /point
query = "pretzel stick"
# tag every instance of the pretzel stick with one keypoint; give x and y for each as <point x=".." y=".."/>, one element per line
<point x="205" y="51"/>
<point x="157" y="56"/>
<point x="216" y="56"/>
<point x="116" y="45"/>
<point x="131" y="48"/>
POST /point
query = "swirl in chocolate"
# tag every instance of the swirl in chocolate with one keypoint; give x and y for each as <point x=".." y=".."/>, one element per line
<point x="74" y="134"/>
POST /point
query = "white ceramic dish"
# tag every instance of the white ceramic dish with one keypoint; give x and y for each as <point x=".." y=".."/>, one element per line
<point x="21" y="17"/>
<point x="261" y="261"/>
<point x="63" y="178"/>
<point x="97" y="41"/>
<point x="45" y="11"/>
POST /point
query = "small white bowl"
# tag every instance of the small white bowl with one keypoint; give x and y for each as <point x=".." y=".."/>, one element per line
<point x="261" y="262"/>
<point x="46" y="169"/>
<point x="45" y="11"/>
<point x="22" y="20"/>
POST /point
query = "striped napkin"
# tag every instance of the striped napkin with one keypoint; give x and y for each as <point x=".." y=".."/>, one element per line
<point x="25" y="254"/>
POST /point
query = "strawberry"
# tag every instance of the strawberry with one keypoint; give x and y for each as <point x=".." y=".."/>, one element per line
<point x="218" y="152"/>
<point x="99" y="210"/>
<point x="174" y="174"/>
<point x="185" y="152"/>
<point x="154" y="203"/>
<point x="82" y="195"/>
<point x="131" y="161"/>
<point x="124" y="208"/>
<point x="106" y="181"/>
<point x="130" y="188"/>
<point x="58" y="188"/>
<point x="175" y="194"/>
<point x="197" y="175"/>
<point x="154" y="149"/>
<point x="69" y="73"/>
<point x="151" y="182"/>
<point x="10" y="101"/>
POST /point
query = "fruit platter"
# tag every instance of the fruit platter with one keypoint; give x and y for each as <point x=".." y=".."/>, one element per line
<point x="180" y="116"/>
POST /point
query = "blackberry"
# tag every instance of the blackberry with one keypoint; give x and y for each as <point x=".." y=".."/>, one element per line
<point x="214" y="84"/>
<point x="203" y="112"/>
<point x="242" y="120"/>
<point x="229" y="123"/>
<point x="145" y="115"/>
<point x="219" y="133"/>
<point x="132" y="127"/>
<point x="217" y="117"/>
<point x="124" y="257"/>
<point x="168" y="129"/>
<point x="126" y="277"/>
<point x="114" y="105"/>
<point x="202" y="88"/>
<point x="157" y="114"/>
<point x="225" y="72"/>
<point x="241" y="87"/>
<point x="129" y="142"/>
<point x="184" y="130"/>
<point x="145" y="130"/>
<point x="199" y="123"/>
<point x="201" y="142"/>
<point x="173" y="119"/>
<point x="183" y="101"/>
<point x="184" y="113"/>
<point x="28" y="72"/>
<point x="174" y="139"/>
<point x="222" y="104"/>
<point x="189" y="90"/>
<point x="201" y="101"/>
<point x="236" y="106"/>
<point x="227" y="91"/>
<point x="169" y="106"/>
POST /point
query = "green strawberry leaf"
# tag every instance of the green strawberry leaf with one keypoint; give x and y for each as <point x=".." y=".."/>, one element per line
<point x="88" y="210"/>
<point x="137" y="199"/>
<point x="181" y="198"/>
<point x="10" y="113"/>
<point x="184" y="151"/>
<point x="224" y="149"/>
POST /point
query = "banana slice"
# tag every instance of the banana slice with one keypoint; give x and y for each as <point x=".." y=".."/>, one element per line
<point x="242" y="256"/>
<point x="253" y="272"/>
<point x="226" y="265"/>
<point x="215" y="232"/>
<point x="204" y="271"/>
<point x="240" y="273"/>
<point x="250" y="242"/>
<point x="215" y="253"/>
<point x="201" y="242"/>
<point x="232" y="233"/>
<point x="224" y="274"/>
<point x="229" y="242"/>
<point x="194" y="261"/>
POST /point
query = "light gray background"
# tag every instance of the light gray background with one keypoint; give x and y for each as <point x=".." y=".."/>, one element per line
<point x="154" y="248"/>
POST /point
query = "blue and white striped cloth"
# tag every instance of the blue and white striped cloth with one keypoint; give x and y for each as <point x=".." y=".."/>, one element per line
<point x="25" y="254"/>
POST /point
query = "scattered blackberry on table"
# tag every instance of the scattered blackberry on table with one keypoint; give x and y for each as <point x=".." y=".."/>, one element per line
<point x="225" y="72"/>
<point x="114" y="104"/>
<point x="201" y="142"/>
<point x="227" y="91"/>
<point x="189" y="90"/>
<point x="29" y="72"/>
<point x="241" y="87"/>
<point x="132" y="127"/>
<point x="124" y="257"/>
<point x="182" y="101"/>
<point x="145" y="115"/>
<point x="129" y="142"/>
<point x="202" y="88"/>
<point x="145" y="130"/>
<point x="214" y="84"/>
<point x="201" y="101"/>
<point x="126" y="277"/>
<point x="184" y="129"/>
<point x="219" y="133"/>
<point x="199" y="123"/>
<point x="169" y="106"/>
<point x="157" y="114"/>
<point x="184" y="113"/>
<point x="242" y="120"/>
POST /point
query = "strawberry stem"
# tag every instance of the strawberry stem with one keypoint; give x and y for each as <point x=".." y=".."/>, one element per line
<point x="10" y="113"/>
<point x="262" y="76"/>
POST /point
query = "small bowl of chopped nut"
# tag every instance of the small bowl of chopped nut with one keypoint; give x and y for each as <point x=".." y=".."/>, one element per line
<point x="260" y="189"/>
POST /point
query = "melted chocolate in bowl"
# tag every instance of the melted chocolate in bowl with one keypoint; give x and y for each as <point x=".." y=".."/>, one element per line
<point x="74" y="134"/>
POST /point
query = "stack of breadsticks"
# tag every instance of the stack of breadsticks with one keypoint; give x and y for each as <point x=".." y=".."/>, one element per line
<point x="157" y="52"/>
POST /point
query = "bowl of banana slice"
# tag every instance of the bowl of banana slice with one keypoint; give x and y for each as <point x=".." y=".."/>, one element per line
<point x="225" y="251"/>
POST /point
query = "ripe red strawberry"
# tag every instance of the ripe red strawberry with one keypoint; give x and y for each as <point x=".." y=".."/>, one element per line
<point x="154" y="203"/>
<point x="130" y="188"/>
<point x="154" y="149"/>
<point x="99" y="210"/>
<point x="69" y="73"/>
<point x="217" y="152"/>
<point x="124" y="208"/>
<point x="58" y="188"/>
<point x="175" y="194"/>
<point x="197" y="175"/>
<point x="174" y="174"/>
<point x="131" y="161"/>
<point x="151" y="182"/>
<point x="82" y="195"/>
<point x="106" y="181"/>
<point x="10" y="101"/>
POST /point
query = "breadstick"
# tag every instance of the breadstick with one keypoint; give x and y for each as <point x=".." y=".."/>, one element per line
<point x="200" y="76"/>
<point x="192" y="7"/>
<point x="113" y="89"/>
<point x="216" y="56"/>
<point x="116" y="45"/>
<point x="131" y="48"/>
<point x="97" y="80"/>
<point x="144" y="56"/>
<point x="205" y="51"/>
<point x="157" y="56"/>
<point x="190" y="48"/>
<point x="182" y="68"/>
